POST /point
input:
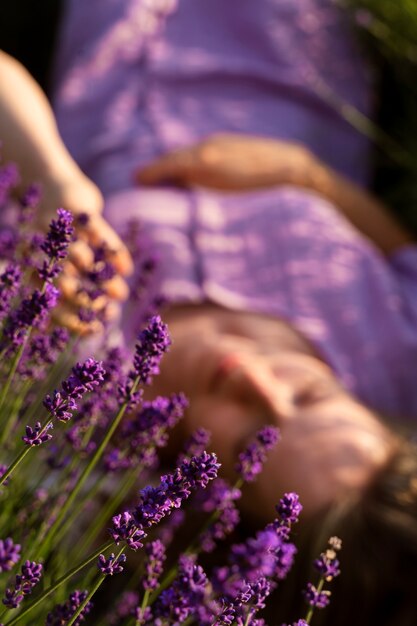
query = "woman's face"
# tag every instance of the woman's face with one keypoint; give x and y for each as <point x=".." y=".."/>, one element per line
<point x="330" y="444"/>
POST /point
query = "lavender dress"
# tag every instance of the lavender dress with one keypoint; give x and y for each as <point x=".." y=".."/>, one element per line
<point x="136" y="78"/>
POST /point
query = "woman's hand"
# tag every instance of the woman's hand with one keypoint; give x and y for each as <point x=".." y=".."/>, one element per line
<point x="81" y="196"/>
<point x="232" y="163"/>
<point x="241" y="163"/>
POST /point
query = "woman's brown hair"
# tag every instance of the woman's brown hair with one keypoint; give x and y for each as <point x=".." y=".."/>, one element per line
<point x="378" y="581"/>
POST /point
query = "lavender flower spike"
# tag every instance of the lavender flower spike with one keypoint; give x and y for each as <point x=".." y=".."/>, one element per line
<point x="25" y="582"/>
<point x="155" y="551"/>
<point x="112" y="565"/>
<point x="37" y="435"/>
<point x="62" y="613"/>
<point x="59" y="236"/>
<point x="289" y="508"/>
<point x="152" y="342"/>
<point x="251" y="460"/>
<point x="84" y="377"/>
<point x="9" y="554"/>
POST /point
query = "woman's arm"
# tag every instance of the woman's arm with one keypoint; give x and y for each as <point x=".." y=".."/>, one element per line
<point x="29" y="137"/>
<point x="363" y="210"/>
<point x="238" y="163"/>
<point x="29" y="134"/>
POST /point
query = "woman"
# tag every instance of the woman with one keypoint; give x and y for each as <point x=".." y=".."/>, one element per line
<point x="293" y="292"/>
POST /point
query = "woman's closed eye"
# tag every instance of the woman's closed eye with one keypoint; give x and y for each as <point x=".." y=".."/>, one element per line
<point x="315" y="391"/>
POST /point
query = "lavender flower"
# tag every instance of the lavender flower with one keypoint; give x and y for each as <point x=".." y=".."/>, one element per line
<point x="62" y="613"/>
<point x="24" y="584"/>
<point x="155" y="551"/>
<point x="196" y="444"/>
<point x="158" y="502"/>
<point x="255" y="557"/>
<point x="145" y="431"/>
<point x="284" y="555"/>
<point x="59" y="236"/>
<point x="152" y="342"/>
<point x="220" y="498"/>
<point x="186" y="595"/>
<point x="327" y="565"/>
<point x="60" y="406"/>
<point x="85" y="377"/>
<point x="315" y="598"/>
<point x="30" y="313"/>
<point x="9" y="178"/>
<point x="37" y="435"/>
<point x="289" y="508"/>
<point x="31" y="197"/>
<point x="125" y="529"/>
<point x="9" y="286"/>
<point x="125" y="607"/>
<point x="111" y="565"/>
<point x="9" y="554"/>
<point x="200" y="470"/>
<point x="251" y="460"/>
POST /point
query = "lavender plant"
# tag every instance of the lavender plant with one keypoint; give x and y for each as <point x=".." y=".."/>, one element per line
<point x="79" y="443"/>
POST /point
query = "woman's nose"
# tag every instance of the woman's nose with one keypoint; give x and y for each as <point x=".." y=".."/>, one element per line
<point x="252" y="381"/>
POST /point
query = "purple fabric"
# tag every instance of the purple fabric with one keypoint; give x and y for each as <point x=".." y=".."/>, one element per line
<point x="132" y="83"/>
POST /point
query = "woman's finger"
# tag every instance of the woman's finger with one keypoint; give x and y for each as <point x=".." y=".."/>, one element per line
<point x="173" y="167"/>
<point x="98" y="232"/>
<point x="71" y="288"/>
<point x="81" y="255"/>
<point x="67" y="316"/>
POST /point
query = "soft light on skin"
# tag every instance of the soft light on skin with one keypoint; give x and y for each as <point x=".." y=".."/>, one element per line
<point x="242" y="371"/>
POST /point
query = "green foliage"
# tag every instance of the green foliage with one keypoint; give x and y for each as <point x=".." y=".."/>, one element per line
<point x="389" y="30"/>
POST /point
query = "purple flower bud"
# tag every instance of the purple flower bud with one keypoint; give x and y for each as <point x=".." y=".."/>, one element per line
<point x="284" y="555"/>
<point x="24" y="584"/>
<point x="251" y="460"/>
<point x="289" y="508"/>
<point x="125" y="529"/>
<point x="9" y="286"/>
<point x="329" y="568"/>
<point x="155" y="551"/>
<point x="30" y="313"/>
<point x="85" y="377"/>
<point x="31" y="196"/>
<point x="9" y="554"/>
<point x="196" y="444"/>
<point x="9" y="178"/>
<point x="59" y="236"/>
<point x="62" y="613"/>
<point x="60" y="406"/>
<point x="319" y="599"/>
<point x="37" y="435"/>
<point x="152" y="342"/>
<point x="200" y="470"/>
<point x="112" y="565"/>
<point x="186" y="595"/>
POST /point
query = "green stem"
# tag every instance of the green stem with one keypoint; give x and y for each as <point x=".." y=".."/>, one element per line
<point x="15" y="363"/>
<point x="97" y="585"/>
<point x="105" y="514"/>
<point x="145" y="600"/>
<point x="84" y="475"/>
<point x="11" y="422"/>
<point x="61" y="581"/>
<point x="15" y="463"/>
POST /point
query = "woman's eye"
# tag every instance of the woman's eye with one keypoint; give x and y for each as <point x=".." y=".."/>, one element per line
<point x="314" y="392"/>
